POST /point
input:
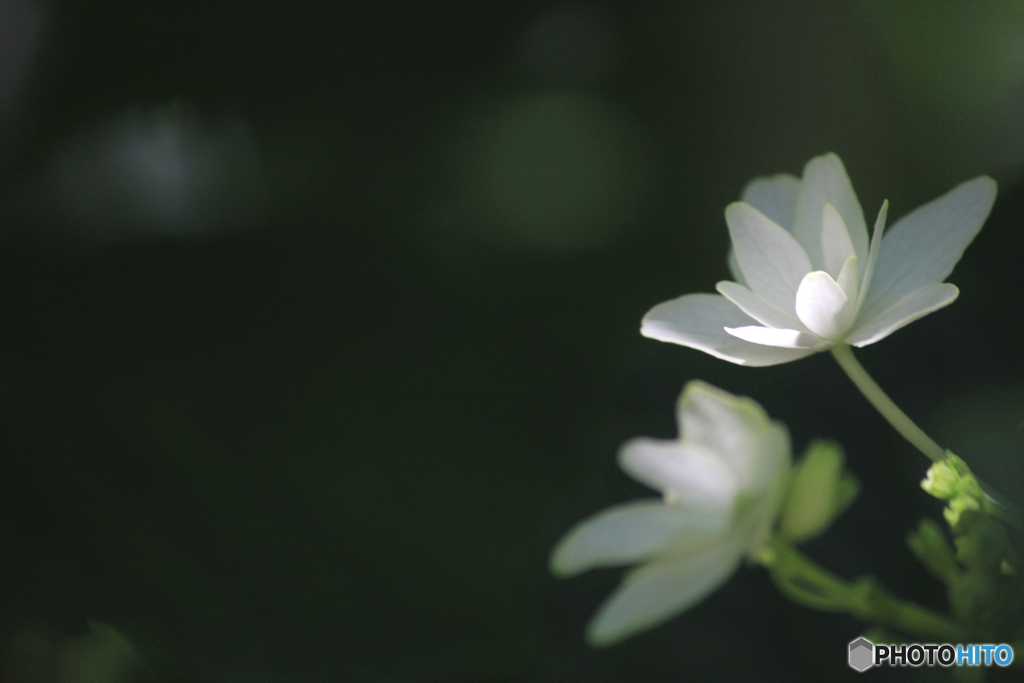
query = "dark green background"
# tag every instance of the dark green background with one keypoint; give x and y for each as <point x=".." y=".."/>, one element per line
<point x="338" y="443"/>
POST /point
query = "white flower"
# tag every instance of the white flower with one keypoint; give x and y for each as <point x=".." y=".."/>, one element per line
<point x="722" y="483"/>
<point x="807" y="278"/>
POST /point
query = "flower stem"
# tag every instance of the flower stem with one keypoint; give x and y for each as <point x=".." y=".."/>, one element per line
<point x="889" y="410"/>
<point x="807" y="583"/>
<point x="909" y="430"/>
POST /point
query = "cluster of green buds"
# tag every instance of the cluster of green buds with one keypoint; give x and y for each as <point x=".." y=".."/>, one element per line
<point x="980" y="568"/>
<point x="951" y="480"/>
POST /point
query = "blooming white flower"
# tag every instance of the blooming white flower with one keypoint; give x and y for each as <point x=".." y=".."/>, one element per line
<point x="722" y="483"/>
<point x="806" y="277"/>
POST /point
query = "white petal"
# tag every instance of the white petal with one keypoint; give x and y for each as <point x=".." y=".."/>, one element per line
<point x="768" y="476"/>
<point x="651" y="594"/>
<point x="914" y="305"/>
<point x="848" y="279"/>
<point x="925" y="245"/>
<point x="823" y="306"/>
<point x="836" y="246"/>
<point x="774" y="196"/>
<point x="876" y="245"/>
<point x="756" y="307"/>
<point x="699" y="321"/>
<point x="688" y="475"/>
<point x="773" y="336"/>
<point x="631" y="533"/>
<point x="771" y="260"/>
<point x="734" y="267"/>
<point x="734" y="428"/>
<point x="825" y="180"/>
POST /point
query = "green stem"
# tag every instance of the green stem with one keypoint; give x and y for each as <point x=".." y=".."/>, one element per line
<point x="889" y="410"/>
<point x="809" y="584"/>
<point x="909" y="430"/>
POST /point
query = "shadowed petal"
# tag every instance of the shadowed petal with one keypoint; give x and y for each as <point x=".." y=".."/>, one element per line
<point x="699" y="321"/>
<point x="876" y="245"/>
<point x="774" y="196"/>
<point x="825" y="180"/>
<point x="651" y="594"/>
<point x="630" y="533"/>
<point x="925" y="245"/>
<point x="917" y="304"/>
<point x="756" y="307"/>
<point x="771" y="260"/>
<point x="734" y="267"/>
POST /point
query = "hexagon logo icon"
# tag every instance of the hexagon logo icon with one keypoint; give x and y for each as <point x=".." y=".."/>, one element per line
<point x="862" y="654"/>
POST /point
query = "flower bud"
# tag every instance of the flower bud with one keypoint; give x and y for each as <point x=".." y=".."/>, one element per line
<point x="958" y="508"/>
<point x="941" y="480"/>
<point x="819" y="491"/>
<point x="951" y="477"/>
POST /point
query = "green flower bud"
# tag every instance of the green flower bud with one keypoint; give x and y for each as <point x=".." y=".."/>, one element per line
<point x="940" y="481"/>
<point x="819" y="490"/>
<point x="958" y="507"/>
<point x="949" y="478"/>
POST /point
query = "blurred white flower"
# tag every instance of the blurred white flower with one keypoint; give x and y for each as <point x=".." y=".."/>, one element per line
<point x="722" y="483"/>
<point x="807" y="278"/>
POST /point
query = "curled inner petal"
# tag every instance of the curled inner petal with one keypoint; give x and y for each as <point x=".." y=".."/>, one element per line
<point x="824" y="307"/>
<point x="847" y="279"/>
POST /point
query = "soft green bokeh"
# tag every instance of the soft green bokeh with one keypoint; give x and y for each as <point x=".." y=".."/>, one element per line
<point x="556" y="169"/>
<point x="957" y="71"/>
